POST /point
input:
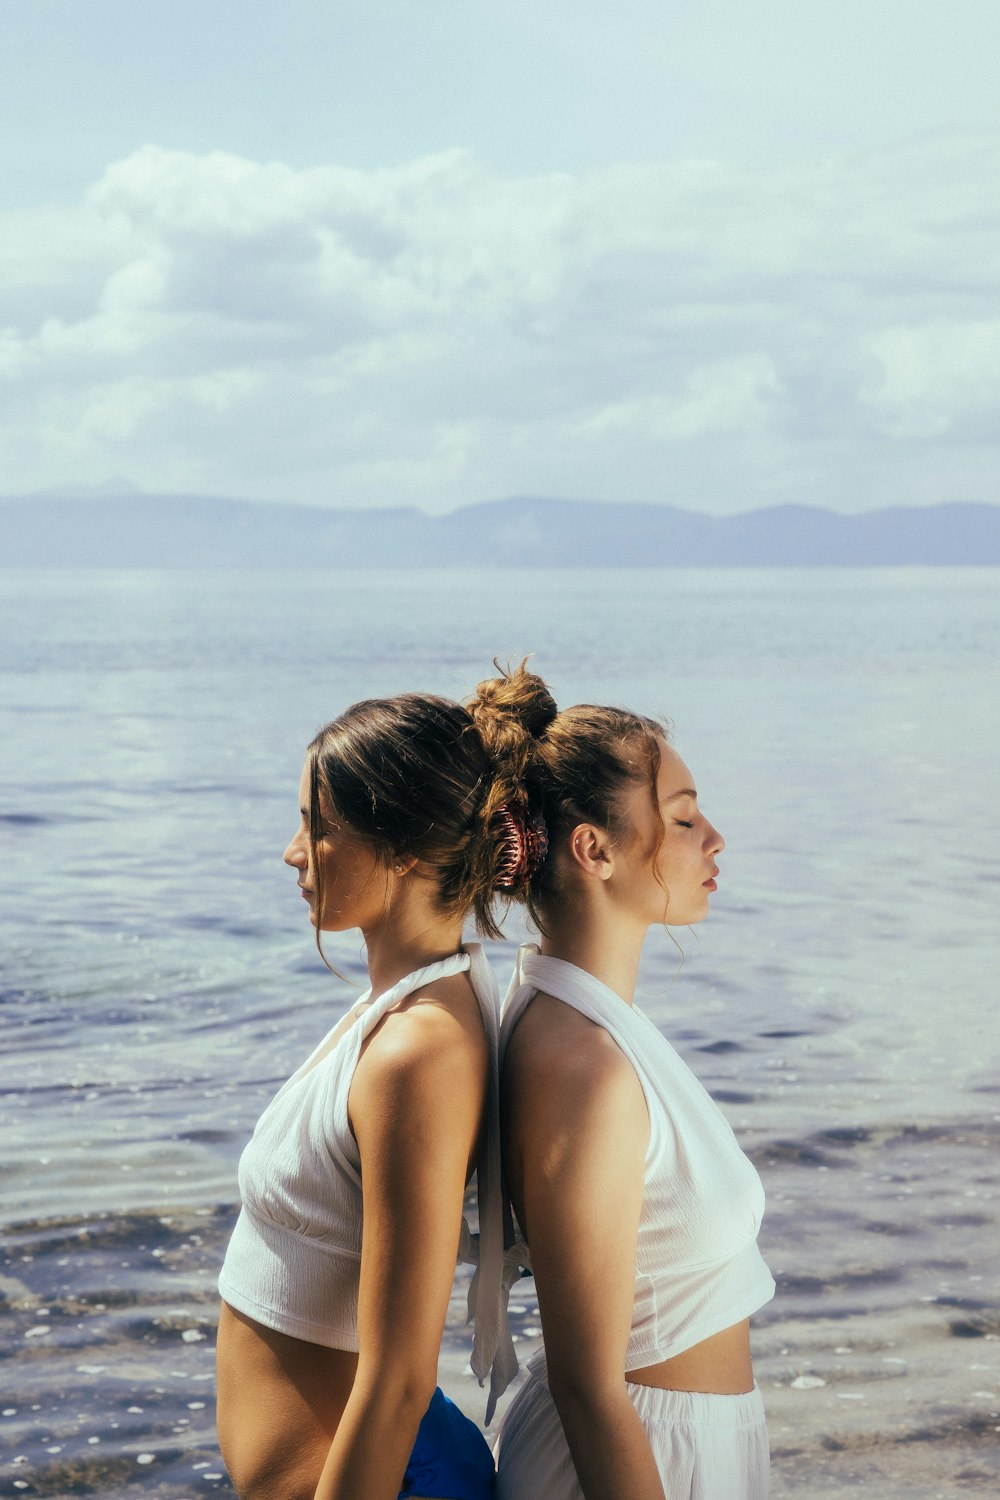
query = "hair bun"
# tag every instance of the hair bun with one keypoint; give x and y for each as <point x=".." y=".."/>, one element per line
<point x="509" y="710"/>
<point x="511" y="713"/>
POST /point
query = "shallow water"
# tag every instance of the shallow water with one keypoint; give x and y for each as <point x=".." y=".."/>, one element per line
<point x="159" y="980"/>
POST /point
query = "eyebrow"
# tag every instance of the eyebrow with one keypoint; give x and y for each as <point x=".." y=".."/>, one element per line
<point x="688" y="791"/>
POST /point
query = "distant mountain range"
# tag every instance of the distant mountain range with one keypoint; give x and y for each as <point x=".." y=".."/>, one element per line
<point x="188" y="531"/>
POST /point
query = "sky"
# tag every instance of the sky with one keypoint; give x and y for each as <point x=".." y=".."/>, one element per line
<point x="713" y="253"/>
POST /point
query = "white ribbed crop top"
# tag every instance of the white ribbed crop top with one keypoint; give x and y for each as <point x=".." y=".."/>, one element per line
<point x="697" y="1267"/>
<point x="294" y="1259"/>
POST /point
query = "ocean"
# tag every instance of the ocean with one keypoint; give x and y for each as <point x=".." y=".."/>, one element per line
<point x="159" y="977"/>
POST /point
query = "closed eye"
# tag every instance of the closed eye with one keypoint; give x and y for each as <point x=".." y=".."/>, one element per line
<point x="683" y="823"/>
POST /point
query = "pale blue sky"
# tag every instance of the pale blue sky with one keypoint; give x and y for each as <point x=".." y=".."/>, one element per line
<point x="712" y="253"/>
<point x="527" y="87"/>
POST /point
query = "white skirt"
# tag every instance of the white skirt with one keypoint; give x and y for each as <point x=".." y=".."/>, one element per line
<point x="706" y="1447"/>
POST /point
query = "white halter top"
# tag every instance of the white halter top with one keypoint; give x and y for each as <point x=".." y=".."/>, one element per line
<point x="697" y="1269"/>
<point x="293" y="1261"/>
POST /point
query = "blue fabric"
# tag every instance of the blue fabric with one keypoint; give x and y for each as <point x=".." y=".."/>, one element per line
<point x="450" y="1458"/>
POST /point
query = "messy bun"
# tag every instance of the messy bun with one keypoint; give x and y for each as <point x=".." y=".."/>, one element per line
<point x="560" y="768"/>
<point x="420" y="776"/>
<point x="511" y="713"/>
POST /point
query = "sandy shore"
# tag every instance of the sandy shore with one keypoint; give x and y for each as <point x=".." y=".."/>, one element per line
<point x="108" y="1373"/>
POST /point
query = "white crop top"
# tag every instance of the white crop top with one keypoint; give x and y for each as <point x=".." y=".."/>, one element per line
<point x="697" y="1267"/>
<point x="294" y="1259"/>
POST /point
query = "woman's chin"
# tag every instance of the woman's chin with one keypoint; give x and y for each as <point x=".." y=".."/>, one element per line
<point x="332" y="924"/>
<point x="691" y="917"/>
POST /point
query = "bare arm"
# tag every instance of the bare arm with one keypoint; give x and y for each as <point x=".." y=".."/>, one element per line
<point x="416" y="1105"/>
<point x="578" y="1129"/>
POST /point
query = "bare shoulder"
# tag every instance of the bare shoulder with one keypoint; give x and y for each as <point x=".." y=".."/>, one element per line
<point x="562" y="1066"/>
<point x="437" y="1035"/>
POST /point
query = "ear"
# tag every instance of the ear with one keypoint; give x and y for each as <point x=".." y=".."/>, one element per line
<point x="589" y="849"/>
<point x="402" y="864"/>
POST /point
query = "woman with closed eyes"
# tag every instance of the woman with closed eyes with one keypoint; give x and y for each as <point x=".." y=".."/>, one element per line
<point x="639" y="1209"/>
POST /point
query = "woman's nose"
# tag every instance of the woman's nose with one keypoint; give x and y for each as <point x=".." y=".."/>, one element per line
<point x="296" y="854"/>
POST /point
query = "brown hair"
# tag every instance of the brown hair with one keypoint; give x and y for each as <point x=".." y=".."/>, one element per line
<point x="413" y="776"/>
<point x="571" y="766"/>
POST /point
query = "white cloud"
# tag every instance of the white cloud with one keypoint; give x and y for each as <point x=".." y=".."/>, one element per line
<point x="939" y="377"/>
<point x="435" y="332"/>
<point x="725" y="396"/>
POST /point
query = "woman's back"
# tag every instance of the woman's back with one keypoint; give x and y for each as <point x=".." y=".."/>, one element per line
<point x="294" y="1259"/>
<point x="341" y="1269"/>
<point x="639" y="1208"/>
<point x="288" y="1336"/>
<point x="698" y="1269"/>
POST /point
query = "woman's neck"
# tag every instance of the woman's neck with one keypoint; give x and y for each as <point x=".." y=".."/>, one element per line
<point x="602" y="943"/>
<point x="409" y="937"/>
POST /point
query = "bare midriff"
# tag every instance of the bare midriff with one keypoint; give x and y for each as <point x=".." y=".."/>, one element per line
<point x="280" y="1403"/>
<point x="718" y="1366"/>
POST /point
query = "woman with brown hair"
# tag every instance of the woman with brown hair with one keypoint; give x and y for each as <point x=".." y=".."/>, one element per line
<point x="638" y="1206"/>
<point x="339" y="1271"/>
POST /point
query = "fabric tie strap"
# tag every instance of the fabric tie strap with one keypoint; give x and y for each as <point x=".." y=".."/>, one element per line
<point x="504" y="1364"/>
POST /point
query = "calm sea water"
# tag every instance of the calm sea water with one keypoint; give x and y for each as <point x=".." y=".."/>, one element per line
<point x="159" y="979"/>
